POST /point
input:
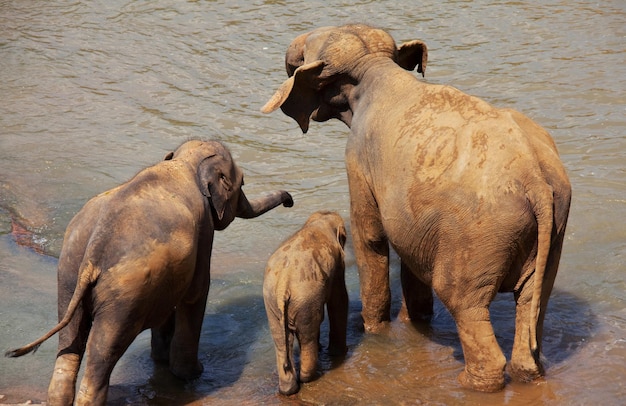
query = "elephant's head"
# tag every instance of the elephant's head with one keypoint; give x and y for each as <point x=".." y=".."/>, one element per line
<point x="221" y="181"/>
<point x="324" y="65"/>
<point x="332" y="220"/>
<point x="217" y="177"/>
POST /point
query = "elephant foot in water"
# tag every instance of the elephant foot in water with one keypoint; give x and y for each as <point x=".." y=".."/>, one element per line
<point x="523" y="373"/>
<point x="482" y="384"/>
<point x="187" y="374"/>
<point x="376" y="327"/>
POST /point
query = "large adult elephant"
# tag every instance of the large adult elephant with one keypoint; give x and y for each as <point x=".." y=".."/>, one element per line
<point x="138" y="257"/>
<point x="473" y="198"/>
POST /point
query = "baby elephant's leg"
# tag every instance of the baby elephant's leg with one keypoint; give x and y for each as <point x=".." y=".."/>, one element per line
<point x="308" y="333"/>
<point x="309" y="347"/>
<point x="283" y="346"/>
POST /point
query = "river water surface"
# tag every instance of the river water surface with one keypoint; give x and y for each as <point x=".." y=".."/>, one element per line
<point x="92" y="92"/>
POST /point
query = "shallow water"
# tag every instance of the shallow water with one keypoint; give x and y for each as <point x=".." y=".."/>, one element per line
<point x="91" y="92"/>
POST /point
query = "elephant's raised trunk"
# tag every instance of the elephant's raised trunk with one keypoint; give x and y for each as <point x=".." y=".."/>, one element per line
<point x="253" y="208"/>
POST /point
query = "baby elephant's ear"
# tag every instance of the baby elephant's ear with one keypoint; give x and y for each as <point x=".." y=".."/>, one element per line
<point x="341" y="235"/>
<point x="412" y="54"/>
<point x="214" y="184"/>
<point x="298" y="96"/>
<point x="220" y="193"/>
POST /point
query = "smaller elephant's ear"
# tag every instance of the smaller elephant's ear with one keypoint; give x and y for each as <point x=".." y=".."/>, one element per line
<point x="220" y="193"/>
<point x="214" y="185"/>
<point x="341" y="235"/>
<point x="412" y="54"/>
<point x="169" y="156"/>
<point x="298" y="96"/>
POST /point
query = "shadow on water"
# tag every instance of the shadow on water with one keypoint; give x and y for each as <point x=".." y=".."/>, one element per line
<point x="235" y="338"/>
<point x="354" y="336"/>
<point x="229" y="337"/>
<point x="569" y="325"/>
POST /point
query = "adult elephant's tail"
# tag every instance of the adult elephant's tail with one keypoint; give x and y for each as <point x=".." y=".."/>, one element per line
<point x="87" y="275"/>
<point x="541" y="198"/>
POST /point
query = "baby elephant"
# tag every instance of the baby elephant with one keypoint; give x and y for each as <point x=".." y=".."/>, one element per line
<point x="138" y="257"/>
<point x="306" y="272"/>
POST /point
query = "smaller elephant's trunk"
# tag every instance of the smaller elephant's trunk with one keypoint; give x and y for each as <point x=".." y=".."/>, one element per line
<point x="253" y="208"/>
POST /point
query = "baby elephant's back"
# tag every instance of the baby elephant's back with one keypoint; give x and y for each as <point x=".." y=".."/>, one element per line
<point x="306" y="263"/>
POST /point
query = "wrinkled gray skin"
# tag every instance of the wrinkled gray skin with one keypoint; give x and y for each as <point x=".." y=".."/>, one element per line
<point x="138" y="257"/>
<point x="473" y="198"/>
<point x="305" y="273"/>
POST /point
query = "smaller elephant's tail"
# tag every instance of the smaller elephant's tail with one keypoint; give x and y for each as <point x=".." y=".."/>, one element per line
<point x="285" y="308"/>
<point x="542" y="202"/>
<point x="86" y="276"/>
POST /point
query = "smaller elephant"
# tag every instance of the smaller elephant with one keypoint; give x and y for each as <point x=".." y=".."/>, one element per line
<point x="303" y="274"/>
<point x="138" y="257"/>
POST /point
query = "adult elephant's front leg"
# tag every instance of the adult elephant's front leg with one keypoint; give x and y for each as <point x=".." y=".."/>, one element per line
<point x="418" y="297"/>
<point x="371" y="250"/>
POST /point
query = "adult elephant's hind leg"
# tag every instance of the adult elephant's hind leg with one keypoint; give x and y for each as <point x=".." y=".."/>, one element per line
<point x="525" y="363"/>
<point x="466" y="291"/>
<point x="484" y="360"/>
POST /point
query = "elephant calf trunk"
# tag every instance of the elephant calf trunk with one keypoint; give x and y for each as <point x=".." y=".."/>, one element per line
<point x="249" y="209"/>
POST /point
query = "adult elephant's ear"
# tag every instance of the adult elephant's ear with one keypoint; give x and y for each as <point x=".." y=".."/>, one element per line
<point x="412" y="54"/>
<point x="298" y="97"/>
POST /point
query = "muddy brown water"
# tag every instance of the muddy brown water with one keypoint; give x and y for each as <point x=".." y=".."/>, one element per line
<point x="91" y="92"/>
